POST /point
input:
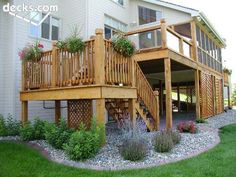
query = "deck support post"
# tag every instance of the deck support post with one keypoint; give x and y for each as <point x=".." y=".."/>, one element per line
<point x="57" y="111"/>
<point x="178" y="95"/>
<point x="228" y="92"/>
<point x="132" y="112"/>
<point x="24" y="112"/>
<point x="168" y="89"/>
<point x="197" y="94"/>
<point x="157" y="122"/>
<point x="161" y="97"/>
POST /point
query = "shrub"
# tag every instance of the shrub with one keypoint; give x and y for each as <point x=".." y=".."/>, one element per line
<point x="133" y="149"/>
<point x="12" y="126"/>
<point x="57" y="135"/>
<point x="187" y="127"/>
<point x="200" y="120"/>
<point x="163" y="142"/>
<point x="175" y="135"/>
<point x="123" y="46"/>
<point x="27" y="132"/>
<point x="3" y="129"/>
<point x="39" y="129"/>
<point x="84" y="144"/>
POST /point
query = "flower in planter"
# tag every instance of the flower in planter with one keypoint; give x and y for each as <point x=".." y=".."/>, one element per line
<point x="123" y="46"/>
<point x="31" y="52"/>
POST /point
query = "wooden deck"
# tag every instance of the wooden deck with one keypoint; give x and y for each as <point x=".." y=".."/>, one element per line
<point x="118" y="83"/>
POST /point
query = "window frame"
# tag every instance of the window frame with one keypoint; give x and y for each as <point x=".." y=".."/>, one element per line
<point x="39" y="36"/>
<point x="150" y="23"/>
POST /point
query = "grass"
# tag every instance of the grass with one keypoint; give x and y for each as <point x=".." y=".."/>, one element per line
<point x="19" y="160"/>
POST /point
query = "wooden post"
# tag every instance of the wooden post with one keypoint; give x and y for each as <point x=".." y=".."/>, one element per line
<point x="54" y="64"/>
<point x="168" y="93"/>
<point x="132" y="112"/>
<point x="161" y="97"/>
<point x="24" y="112"/>
<point x="57" y="111"/>
<point x="194" y="40"/>
<point x="99" y="57"/>
<point x="178" y="95"/>
<point x="181" y="45"/>
<point x="187" y="93"/>
<point x="228" y="92"/>
<point x="157" y="125"/>
<point x="163" y="34"/>
<point x="197" y="94"/>
<point x="100" y="111"/>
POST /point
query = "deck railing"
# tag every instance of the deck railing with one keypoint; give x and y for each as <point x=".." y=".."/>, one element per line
<point x="117" y="67"/>
<point x="146" y="93"/>
<point x="160" y="36"/>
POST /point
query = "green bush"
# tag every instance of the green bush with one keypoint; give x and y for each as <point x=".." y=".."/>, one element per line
<point x="200" y="120"/>
<point x="123" y="46"/>
<point x="57" y="135"/>
<point x="27" y="132"/>
<point x="84" y="144"/>
<point x="33" y="131"/>
<point x="163" y="142"/>
<point x="12" y="126"/>
<point x="3" y="129"/>
<point x="39" y="129"/>
<point x="133" y="149"/>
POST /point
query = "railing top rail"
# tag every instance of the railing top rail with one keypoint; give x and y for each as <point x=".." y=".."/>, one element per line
<point x="152" y="28"/>
<point x="178" y="35"/>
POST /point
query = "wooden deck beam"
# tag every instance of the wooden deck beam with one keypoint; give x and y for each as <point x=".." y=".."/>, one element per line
<point x="84" y="92"/>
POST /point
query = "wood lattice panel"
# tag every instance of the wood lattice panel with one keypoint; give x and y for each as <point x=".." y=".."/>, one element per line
<point x="206" y="94"/>
<point x="79" y="111"/>
<point x="219" y="95"/>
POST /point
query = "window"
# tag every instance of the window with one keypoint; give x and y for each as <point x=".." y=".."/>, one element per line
<point x="121" y="2"/>
<point x="49" y="29"/>
<point x="148" y="15"/>
<point x="113" y="26"/>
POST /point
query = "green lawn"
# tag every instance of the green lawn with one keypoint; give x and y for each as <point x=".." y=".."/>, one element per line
<point x="20" y="160"/>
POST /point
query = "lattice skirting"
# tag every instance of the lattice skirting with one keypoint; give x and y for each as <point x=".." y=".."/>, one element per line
<point x="79" y="111"/>
<point x="211" y="95"/>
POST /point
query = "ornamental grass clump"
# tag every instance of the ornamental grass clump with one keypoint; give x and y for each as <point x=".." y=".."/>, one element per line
<point x="123" y="46"/>
<point x="200" y="121"/>
<point x="163" y="142"/>
<point x="134" y="146"/>
<point x="73" y="43"/>
<point x="31" y="52"/>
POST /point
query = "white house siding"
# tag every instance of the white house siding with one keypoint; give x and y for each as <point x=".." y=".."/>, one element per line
<point x="99" y="8"/>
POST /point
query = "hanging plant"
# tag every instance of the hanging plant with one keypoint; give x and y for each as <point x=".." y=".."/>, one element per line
<point x="123" y="46"/>
<point x="73" y="43"/>
<point x="31" y="52"/>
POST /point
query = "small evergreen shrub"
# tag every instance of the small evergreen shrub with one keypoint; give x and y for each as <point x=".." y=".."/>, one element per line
<point x="27" y="132"/>
<point x="57" y="135"/>
<point x="12" y="126"/>
<point x="123" y="46"/>
<point x="187" y="127"/>
<point x="163" y="142"/>
<point x="200" y="120"/>
<point x="133" y="149"/>
<point x="3" y="129"/>
<point x="84" y="144"/>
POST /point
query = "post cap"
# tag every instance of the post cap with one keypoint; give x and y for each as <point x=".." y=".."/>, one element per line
<point x="54" y="43"/>
<point x="163" y="20"/>
<point x="156" y="93"/>
<point x="99" y="31"/>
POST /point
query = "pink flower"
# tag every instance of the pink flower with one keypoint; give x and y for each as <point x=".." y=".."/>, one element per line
<point x="40" y="46"/>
